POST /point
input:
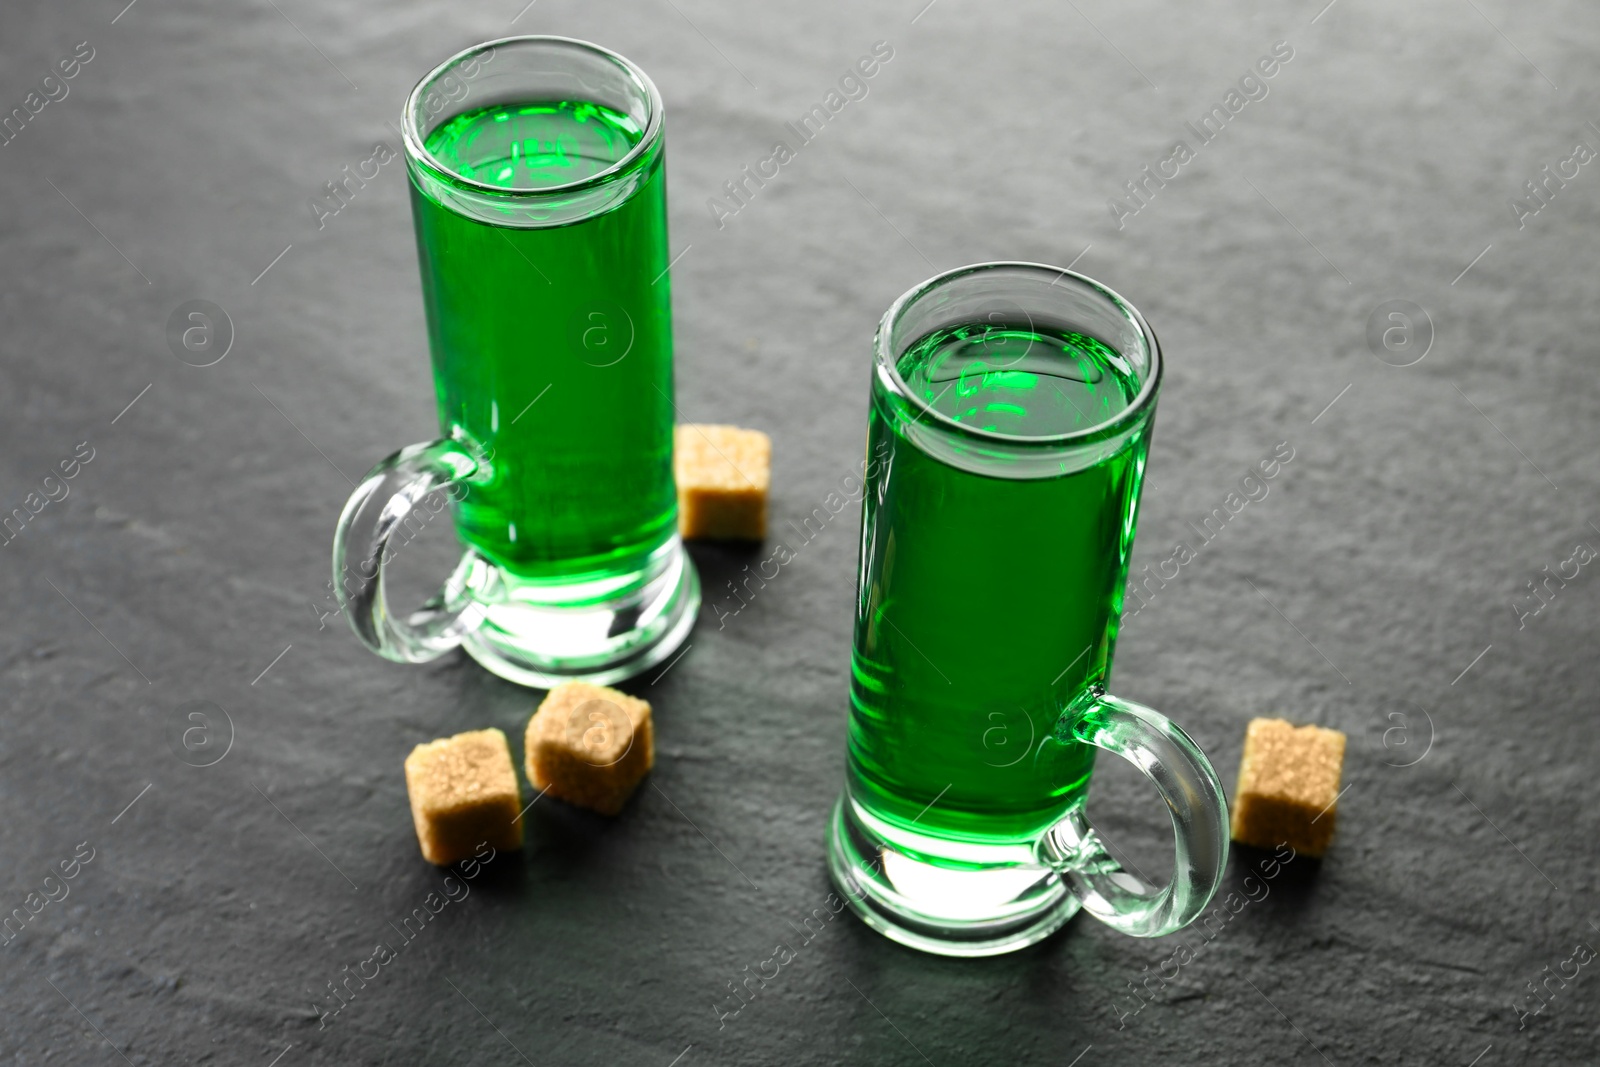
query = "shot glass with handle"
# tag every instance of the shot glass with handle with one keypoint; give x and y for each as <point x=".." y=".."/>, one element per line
<point x="1012" y="406"/>
<point x="538" y="193"/>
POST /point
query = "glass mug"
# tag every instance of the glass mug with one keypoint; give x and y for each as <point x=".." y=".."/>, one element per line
<point x="1012" y="406"/>
<point x="538" y="192"/>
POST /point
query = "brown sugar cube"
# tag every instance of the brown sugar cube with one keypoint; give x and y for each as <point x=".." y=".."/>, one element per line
<point x="723" y="475"/>
<point x="464" y="792"/>
<point x="590" y="746"/>
<point x="1288" y="786"/>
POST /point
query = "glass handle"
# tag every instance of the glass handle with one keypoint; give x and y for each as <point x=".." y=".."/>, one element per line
<point x="361" y="549"/>
<point x="1183" y="775"/>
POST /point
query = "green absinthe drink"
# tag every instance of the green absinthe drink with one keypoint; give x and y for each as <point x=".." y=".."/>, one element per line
<point x="538" y="193"/>
<point x="995" y="599"/>
<point x="1011" y="412"/>
<point x="551" y="337"/>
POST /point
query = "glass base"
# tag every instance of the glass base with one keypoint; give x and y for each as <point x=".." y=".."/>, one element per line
<point x="980" y="900"/>
<point x="541" y="635"/>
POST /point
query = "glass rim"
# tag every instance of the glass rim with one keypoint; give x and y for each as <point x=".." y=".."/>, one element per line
<point x="887" y="362"/>
<point x="417" y="150"/>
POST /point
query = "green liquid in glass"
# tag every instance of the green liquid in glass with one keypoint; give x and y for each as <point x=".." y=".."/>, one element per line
<point x="988" y="603"/>
<point x="552" y="346"/>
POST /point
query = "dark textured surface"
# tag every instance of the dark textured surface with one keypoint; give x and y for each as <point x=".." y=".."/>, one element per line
<point x="193" y="548"/>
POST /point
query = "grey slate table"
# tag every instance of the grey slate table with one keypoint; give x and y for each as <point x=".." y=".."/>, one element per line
<point x="1382" y="587"/>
